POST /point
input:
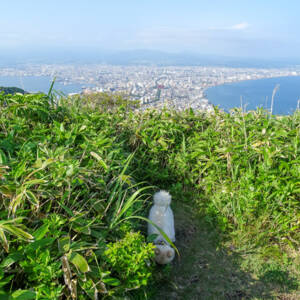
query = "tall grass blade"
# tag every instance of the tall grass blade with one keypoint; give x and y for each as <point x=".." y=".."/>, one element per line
<point x="273" y="96"/>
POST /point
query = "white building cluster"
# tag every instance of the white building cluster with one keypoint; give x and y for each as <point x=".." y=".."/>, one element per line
<point x="153" y="86"/>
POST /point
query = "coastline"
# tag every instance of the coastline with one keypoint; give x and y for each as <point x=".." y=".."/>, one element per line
<point x="178" y="87"/>
<point x="221" y="105"/>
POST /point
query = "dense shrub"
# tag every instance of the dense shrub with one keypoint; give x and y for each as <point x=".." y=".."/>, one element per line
<point x="72" y="175"/>
<point x="242" y="169"/>
<point x="131" y="259"/>
<point x="65" y="192"/>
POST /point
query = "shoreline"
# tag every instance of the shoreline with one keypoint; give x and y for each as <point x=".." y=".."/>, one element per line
<point x="187" y="94"/>
<point x="247" y="80"/>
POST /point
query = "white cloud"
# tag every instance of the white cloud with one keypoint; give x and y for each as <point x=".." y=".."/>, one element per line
<point x="240" y="26"/>
<point x="236" y="27"/>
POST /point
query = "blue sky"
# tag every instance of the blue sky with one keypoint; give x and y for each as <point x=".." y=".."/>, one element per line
<point x="257" y="28"/>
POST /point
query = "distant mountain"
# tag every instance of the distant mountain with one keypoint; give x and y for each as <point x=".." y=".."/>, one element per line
<point x="136" y="57"/>
<point x="11" y="90"/>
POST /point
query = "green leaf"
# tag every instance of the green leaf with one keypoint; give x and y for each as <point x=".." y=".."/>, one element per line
<point x="32" y="198"/>
<point x="40" y="232"/>
<point x="17" y="231"/>
<point x="33" y="182"/>
<point x="111" y="281"/>
<point x="81" y="229"/>
<point x="78" y="261"/>
<point x="3" y="159"/>
<point x="100" y="160"/>
<point x="5" y="281"/>
<point x="23" y="295"/>
<point x="20" y="170"/>
<point x="68" y="210"/>
<point x="51" y="87"/>
<point x="16" y="201"/>
<point x="64" y="244"/>
<point x="3" y="239"/>
<point x="4" y="295"/>
<point x="11" y="259"/>
<point x="124" y="207"/>
<point x="40" y="244"/>
<point x="151" y="238"/>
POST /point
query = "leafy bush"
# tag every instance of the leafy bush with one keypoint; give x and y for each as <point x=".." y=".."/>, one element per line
<point x="72" y="176"/>
<point x="241" y="169"/>
<point x="131" y="259"/>
<point x="64" y="192"/>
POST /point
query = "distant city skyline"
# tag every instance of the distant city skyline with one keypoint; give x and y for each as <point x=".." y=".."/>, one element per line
<point x="255" y="29"/>
<point x="153" y="86"/>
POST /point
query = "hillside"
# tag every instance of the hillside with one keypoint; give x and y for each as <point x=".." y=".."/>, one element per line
<point x="11" y="90"/>
<point x="76" y="177"/>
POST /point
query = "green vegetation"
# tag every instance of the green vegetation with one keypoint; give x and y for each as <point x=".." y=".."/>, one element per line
<point x="11" y="90"/>
<point x="76" y="180"/>
<point x="130" y="258"/>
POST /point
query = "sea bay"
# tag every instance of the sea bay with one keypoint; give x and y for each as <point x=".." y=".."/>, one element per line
<point x="39" y="84"/>
<point x="258" y="93"/>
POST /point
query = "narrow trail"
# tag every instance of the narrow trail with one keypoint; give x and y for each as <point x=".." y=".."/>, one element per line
<point x="206" y="270"/>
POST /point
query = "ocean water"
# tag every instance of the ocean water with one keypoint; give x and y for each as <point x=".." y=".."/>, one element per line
<point x="258" y="93"/>
<point x="39" y="84"/>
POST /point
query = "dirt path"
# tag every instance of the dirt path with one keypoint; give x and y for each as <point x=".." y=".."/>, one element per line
<point x="207" y="270"/>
